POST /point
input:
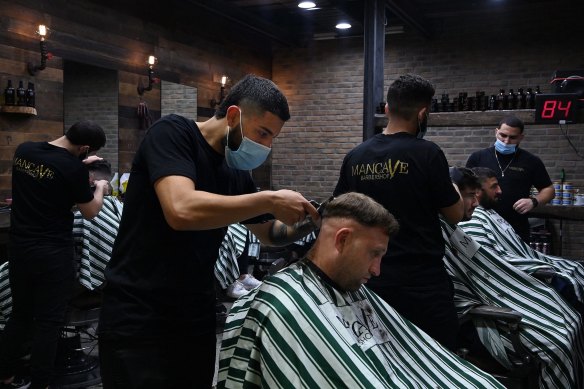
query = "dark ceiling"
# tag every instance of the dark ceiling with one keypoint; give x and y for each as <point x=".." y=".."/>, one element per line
<point x="282" y="21"/>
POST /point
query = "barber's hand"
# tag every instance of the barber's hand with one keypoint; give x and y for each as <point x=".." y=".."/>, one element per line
<point x="91" y="159"/>
<point x="523" y="206"/>
<point x="291" y="207"/>
<point x="103" y="186"/>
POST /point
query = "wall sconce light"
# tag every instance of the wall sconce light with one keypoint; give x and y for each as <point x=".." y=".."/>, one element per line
<point x="223" y="81"/>
<point x="45" y="55"/>
<point x="151" y="79"/>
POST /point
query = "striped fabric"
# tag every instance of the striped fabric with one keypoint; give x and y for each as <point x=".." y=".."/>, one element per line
<point x="94" y="240"/>
<point x="489" y="229"/>
<point x="226" y="267"/>
<point x="550" y="328"/>
<point x="296" y="331"/>
<point x="5" y="296"/>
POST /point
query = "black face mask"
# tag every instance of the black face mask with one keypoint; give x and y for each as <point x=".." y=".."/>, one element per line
<point x="83" y="156"/>
<point x="422" y="127"/>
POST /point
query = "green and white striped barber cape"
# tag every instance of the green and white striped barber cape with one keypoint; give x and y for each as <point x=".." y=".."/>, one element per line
<point x="94" y="240"/>
<point x="297" y="331"/>
<point x="550" y="328"/>
<point x="5" y="295"/>
<point x="489" y="229"/>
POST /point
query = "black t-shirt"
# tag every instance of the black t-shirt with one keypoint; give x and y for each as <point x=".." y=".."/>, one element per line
<point x="524" y="171"/>
<point x="47" y="181"/>
<point x="159" y="282"/>
<point x="409" y="177"/>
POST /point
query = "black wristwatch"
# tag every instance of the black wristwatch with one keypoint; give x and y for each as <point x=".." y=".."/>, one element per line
<point x="534" y="201"/>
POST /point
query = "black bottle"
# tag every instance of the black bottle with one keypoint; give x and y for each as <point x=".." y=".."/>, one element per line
<point x="9" y="94"/>
<point x="30" y="95"/>
<point x="512" y="100"/>
<point x="501" y="100"/>
<point x="492" y="103"/>
<point x="521" y="99"/>
<point x="444" y="101"/>
<point x="529" y="99"/>
<point x="20" y="94"/>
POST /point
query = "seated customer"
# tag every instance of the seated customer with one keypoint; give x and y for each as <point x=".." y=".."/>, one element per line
<point x="315" y="325"/>
<point x="95" y="238"/>
<point x="489" y="229"/>
<point x="232" y="265"/>
<point x="550" y="328"/>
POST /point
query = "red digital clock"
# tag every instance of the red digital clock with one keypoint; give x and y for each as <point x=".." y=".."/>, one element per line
<point x="556" y="108"/>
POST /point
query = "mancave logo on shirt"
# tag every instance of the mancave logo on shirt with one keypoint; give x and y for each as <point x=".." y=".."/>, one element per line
<point x="32" y="169"/>
<point x="379" y="170"/>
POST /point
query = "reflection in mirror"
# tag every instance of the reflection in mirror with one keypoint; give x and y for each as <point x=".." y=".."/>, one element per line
<point x="91" y="93"/>
<point x="179" y="99"/>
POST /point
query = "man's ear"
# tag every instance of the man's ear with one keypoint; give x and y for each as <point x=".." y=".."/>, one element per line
<point x="233" y="115"/>
<point x="341" y="238"/>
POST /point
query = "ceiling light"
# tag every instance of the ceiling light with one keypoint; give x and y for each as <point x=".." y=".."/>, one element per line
<point x="343" y="26"/>
<point x="307" y="4"/>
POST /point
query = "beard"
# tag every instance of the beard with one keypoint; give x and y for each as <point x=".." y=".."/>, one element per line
<point x="487" y="202"/>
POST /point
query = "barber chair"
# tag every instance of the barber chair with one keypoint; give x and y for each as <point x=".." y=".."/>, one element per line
<point x="77" y="364"/>
<point x="526" y="368"/>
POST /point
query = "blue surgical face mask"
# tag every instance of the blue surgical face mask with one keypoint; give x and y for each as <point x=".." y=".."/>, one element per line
<point x="249" y="155"/>
<point x="504" y="148"/>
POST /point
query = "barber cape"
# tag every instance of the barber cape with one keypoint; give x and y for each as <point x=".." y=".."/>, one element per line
<point x="489" y="229"/>
<point x="94" y="240"/>
<point x="226" y="268"/>
<point x="5" y="295"/>
<point x="298" y="331"/>
<point x="550" y="328"/>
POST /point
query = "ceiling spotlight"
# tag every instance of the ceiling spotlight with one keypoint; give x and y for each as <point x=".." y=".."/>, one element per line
<point x="343" y="26"/>
<point x="307" y="4"/>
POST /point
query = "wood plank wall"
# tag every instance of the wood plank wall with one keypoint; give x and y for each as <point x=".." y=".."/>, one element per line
<point x="87" y="32"/>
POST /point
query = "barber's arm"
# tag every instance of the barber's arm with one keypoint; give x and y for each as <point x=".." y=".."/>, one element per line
<point x="454" y="213"/>
<point x="276" y="233"/>
<point x="186" y="208"/>
<point x="544" y="196"/>
<point x="90" y="209"/>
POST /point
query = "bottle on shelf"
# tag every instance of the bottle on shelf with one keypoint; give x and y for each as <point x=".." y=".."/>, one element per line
<point x="512" y="99"/>
<point x="9" y="94"/>
<point x="492" y="105"/>
<point x="20" y="94"/>
<point x="521" y="99"/>
<point x="30" y="95"/>
<point x="501" y="100"/>
<point x="529" y="99"/>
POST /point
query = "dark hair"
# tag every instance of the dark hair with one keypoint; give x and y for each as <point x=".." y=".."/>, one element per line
<point x="408" y="94"/>
<point x="363" y="209"/>
<point x="86" y="132"/>
<point x="101" y="166"/>
<point x="483" y="173"/>
<point x="258" y="95"/>
<point x="464" y="178"/>
<point x="512" y="121"/>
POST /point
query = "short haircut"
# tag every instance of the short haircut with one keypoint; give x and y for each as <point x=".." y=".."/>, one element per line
<point x="483" y="173"/>
<point x="258" y="95"/>
<point x="512" y="121"/>
<point x="464" y="178"/>
<point x="362" y="209"/>
<point x="86" y="132"/>
<point x="408" y="94"/>
<point x="102" y="167"/>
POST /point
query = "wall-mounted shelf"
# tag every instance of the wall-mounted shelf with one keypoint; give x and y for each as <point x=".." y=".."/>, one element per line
<point x="18" y="109"/>
<point x="474" y="118"/>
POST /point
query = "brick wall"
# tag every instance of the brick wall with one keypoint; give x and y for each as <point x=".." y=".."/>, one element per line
<point x="178" y="99"/>
<point x="91" y="93"/>
<point x="324" y="86"/>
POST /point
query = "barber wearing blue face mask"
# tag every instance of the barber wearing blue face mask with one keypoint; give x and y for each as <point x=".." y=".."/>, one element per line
<point x="517" y="171"/>
<point x="190" y="180"/>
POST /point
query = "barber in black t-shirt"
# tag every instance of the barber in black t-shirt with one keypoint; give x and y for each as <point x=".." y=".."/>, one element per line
<point x="189" y="180"/>
<point x="410" y="177"/>
<point x="517" y="171"/>
<point x="48" y="179"/>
